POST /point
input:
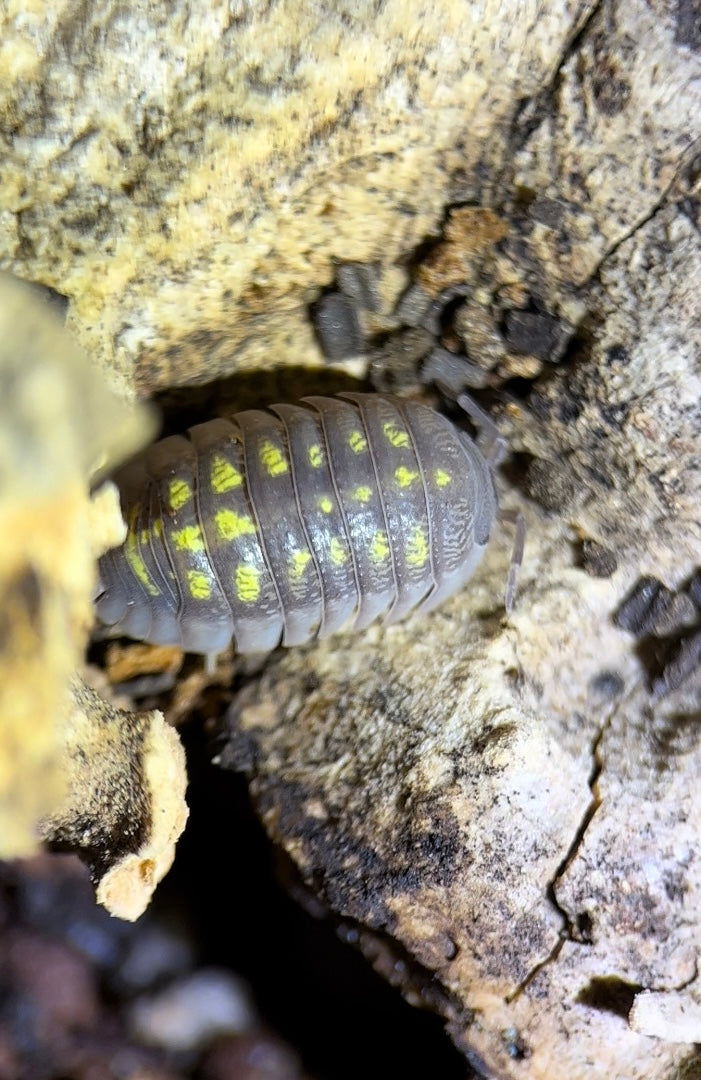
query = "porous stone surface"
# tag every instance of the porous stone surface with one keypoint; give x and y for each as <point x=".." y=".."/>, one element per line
<point x="124" y="805"/>
<point x="95" y="780"/>
<point x="186" y="176"/>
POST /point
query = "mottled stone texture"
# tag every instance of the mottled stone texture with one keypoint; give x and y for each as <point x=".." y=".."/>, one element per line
<point x="504" y="805"/>
<point x="186" y="175"/>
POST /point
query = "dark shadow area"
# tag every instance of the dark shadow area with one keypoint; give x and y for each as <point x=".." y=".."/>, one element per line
<point x="609" y="994"/>
<point x="317" y="992"/>
<point x="189" y="405"/>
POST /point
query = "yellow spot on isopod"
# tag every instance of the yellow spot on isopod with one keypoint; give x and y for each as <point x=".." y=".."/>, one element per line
<point x="247" y="582"/>
<point x="199" y="585"/>
<point x="325" y="504"/>
<point x="396" y="436"/>
<point x="441" y="477"/>
<point x="157" y="528"/>
<point x="357" y="442"/>
<point x="405" y="477"/>
<point x="362" y="494"/>
<point x="417" y="548"/>
<point x="299" y="560"/>
<point x="179" y="491"/>
<point x="138" y="567"/>
<point x="316" y="456"/>
<point x="337" y="552"/>
<point x="224" y="476"/>
<point x="231" y="525"/>
<point x="379" y="547"/>
<point x="272" y="458"/>
<point x="145" y="537"/>
<point x="189" y="538"/>
<point x="133" y="556"/>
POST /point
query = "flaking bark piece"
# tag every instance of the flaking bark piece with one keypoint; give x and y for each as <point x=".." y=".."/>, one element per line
<point x="125" y="805"/>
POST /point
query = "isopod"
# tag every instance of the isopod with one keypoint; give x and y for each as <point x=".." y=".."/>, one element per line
<point x="290" y="524"/>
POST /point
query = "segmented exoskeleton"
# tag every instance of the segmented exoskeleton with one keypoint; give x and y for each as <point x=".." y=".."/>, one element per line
<point x="291" y="524"/>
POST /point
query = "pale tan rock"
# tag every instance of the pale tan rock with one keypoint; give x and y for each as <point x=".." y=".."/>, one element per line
<point x="186" y="176"/>
<point x="667" y="1015"/>
<point x="92" y="779"/>
<point x="107" y="526"/>
<point x="97" y="781"/>
<point x="124" y="806"/>
<point x="58" y="424"/>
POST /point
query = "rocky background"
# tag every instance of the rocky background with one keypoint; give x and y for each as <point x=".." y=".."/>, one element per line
<point x="258" y="198"/>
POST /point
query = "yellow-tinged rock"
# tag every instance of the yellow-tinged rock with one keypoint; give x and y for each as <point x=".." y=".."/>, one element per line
<point x="59" y="424"/>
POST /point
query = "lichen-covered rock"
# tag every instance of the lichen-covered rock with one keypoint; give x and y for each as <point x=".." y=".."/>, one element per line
<point x="602" y="154"/>
<point x="186" y="177"/>
<point x="623" y="425"/>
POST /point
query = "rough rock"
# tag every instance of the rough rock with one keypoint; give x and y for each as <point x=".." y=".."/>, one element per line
<point x="187" y="177"/>
<point x="104" y="783"/>
<point x="505" y="808"/>
<point x="124" y="807"/>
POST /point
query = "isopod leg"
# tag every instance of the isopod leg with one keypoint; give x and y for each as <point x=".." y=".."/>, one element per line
<point x="515" y="518"/>
<point x="490" y="442"/>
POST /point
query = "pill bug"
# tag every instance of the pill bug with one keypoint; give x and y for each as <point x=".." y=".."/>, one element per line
<point x="290" y="524"/>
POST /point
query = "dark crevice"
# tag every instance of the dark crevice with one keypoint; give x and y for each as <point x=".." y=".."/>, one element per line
<point x="573" y="928"/>
<point x="576" y="929"/>
<point x="608" y="993"/>
<point x="248" y="911"/>
<point x="536" y="969"/>
<point x="533" y="110"/>
<point x="660" y="204"/>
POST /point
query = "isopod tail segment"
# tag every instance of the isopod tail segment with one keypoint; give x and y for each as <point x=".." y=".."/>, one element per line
<point x="494" y="447"/>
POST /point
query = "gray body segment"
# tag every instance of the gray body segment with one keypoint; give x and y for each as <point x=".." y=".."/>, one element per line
<point x="286" y="525"/>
